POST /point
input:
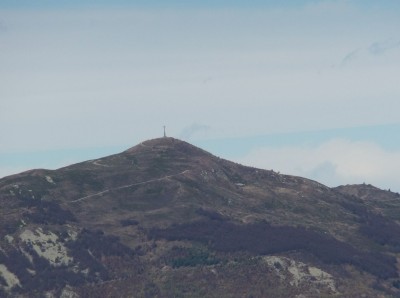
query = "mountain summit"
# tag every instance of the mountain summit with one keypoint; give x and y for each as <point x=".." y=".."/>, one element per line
<point x="167" y="219"/>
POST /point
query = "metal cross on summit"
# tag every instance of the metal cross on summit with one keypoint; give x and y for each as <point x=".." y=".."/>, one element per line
<point x="165" y="135"/>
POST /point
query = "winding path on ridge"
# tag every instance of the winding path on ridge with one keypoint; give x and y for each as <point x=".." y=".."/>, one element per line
<point x="127" y="186"/>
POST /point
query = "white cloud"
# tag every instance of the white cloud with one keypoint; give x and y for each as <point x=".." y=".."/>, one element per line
<point x="333" y="163"/>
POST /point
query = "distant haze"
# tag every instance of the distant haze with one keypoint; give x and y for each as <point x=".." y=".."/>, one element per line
<point x="307" y="87"/>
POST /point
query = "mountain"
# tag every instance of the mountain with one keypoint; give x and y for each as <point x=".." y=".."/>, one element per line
<point x="167" y="219"/>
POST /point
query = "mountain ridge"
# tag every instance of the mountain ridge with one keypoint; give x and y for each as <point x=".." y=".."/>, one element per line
<point x="171" y="209"/>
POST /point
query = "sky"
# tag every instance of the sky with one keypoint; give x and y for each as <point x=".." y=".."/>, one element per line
<point x="307" y="88"/>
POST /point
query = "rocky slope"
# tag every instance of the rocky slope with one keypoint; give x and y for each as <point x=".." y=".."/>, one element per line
<point x="167" y="219"/>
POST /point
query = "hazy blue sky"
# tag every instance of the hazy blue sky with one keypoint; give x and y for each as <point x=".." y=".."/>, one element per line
<point x="310" y="88"/>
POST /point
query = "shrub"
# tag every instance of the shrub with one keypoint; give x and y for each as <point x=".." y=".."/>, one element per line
<point x="47" y="212"/>
<point x="183" y="257"/>
<point x="376" y="227"/>
<point x="396" y="284"/>
<point x="129" y="222"/>
<point x="262" y="238"/>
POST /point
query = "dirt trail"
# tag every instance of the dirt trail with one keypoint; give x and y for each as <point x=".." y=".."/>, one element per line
<point x="127" y="186"/>
<point x="97" y="163"/>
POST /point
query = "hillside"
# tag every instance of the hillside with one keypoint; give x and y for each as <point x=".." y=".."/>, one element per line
<point x="167" y="219"/>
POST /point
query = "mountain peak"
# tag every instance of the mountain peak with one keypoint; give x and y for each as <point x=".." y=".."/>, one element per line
<point x="167" y="144"/>
<point x="164" y="141"/>
<point x="165" y="211"/>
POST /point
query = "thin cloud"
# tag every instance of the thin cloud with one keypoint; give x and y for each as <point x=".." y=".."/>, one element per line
<point x="114" y="66"/>
<point x="374" y="49"/>
<point x="189" y="131"/>
<point x="350" y="57"/>
<point x="379" y="48"/>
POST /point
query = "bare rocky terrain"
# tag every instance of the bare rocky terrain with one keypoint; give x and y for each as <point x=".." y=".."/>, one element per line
<point x="167" y="219"/>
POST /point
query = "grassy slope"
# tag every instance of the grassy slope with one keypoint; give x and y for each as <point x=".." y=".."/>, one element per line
<point x="166" y="183"/>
